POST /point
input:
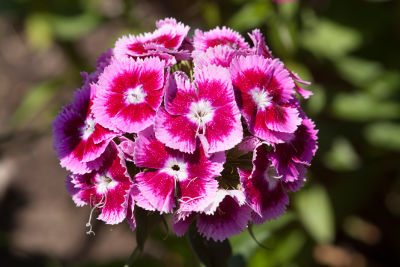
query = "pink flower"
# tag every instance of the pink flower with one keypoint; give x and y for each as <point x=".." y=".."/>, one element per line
<point x="205" y="109"/>
<point x="105" y="189"/>
<point x="220" y="55"/>
<point x="165" y="42"/>
<point x="78" y="139"/>
<point x="218" y="36"/>
<point x="264" y="91"/>
<point x="290" y="158"/>
<point x="187" y="177"/>
<point x="261" y="48"/>
<point x="224" y="217"/>
<point x="263" y="188"/>
<point x="129" y="93"/>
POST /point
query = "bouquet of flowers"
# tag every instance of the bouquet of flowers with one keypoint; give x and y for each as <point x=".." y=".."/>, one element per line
<point x="208" y="129"/>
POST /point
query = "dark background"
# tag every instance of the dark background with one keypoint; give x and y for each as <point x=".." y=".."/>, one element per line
<point x="348" y="214"/>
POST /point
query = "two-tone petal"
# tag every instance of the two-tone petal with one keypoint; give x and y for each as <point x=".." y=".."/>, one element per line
<point x="129" y="93"/>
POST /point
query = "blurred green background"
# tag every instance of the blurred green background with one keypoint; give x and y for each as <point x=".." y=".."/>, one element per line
<point x="348" y="214"/>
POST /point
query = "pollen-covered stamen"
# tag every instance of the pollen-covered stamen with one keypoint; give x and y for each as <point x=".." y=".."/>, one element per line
<point x="104" y="183"/>
<point x="261" y="97"/>
<point x="88" y="128"/>
<point x="200" y="113"/>
<point x="135" y="95"/>
<point x="176" y="168"/>
<point x="272" y="177"/>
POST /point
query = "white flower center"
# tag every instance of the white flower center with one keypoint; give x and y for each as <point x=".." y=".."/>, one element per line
<point x="135" y="95"/>
<point x="261" y="97"/>
<point x="104" y="183"/>
<point x="176" y="168"/>
<point x="87" y="129"/>
<point x="200" y="113"/>
<point x="272" y="177"/>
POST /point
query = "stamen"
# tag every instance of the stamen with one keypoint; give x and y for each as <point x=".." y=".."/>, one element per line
<point x="135" y="95"/>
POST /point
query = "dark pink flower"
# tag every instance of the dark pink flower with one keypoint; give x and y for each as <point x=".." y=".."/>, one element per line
<point x="165" y="43"/>
<point x="220" y="55"/>
<point x="290" y="158"/>
<point x="129" y="93"/>
<point x="224" y="217"/>
<point x="187" y="177"/>
<point x="264" y="90"/>
<point x="261" y="48"/>
<point x="105" y="189"/>
<point x="263" y="188"/>
<point x="78" y="139"/>
<point x="218" y="36"/>
<point x="204" y="109"/>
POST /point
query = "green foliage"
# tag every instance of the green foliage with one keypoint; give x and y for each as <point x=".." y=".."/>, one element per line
<point x="316" y="213"/>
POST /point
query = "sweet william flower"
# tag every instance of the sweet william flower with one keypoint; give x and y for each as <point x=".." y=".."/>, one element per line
<point x="227" y="215"/>
<point x="189" y="178"/>
<point x="218" y="36"/>
<point x="264" y="91"/>
<point x="78" y="139"/>
<point x="168" y="108"/>
<point x="204" y="109"/>
<point x="105" y="189"/>
<point x="291" y="158"/>
<point x="129" y="93"/>
<point x="166" y="42"/>
<point x="263" y="188"/>
<point x="261" y="48"/>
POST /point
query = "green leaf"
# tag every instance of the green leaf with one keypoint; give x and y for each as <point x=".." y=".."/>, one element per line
<point x="329" y="39"/>
<point x="359" y="71"/>
<point x="210" y="252"/>
<point x="73" y="27"/>
<point x="283" y="250"/>
<point x="251" y="15"/>
<point x="316" y="214"/>
<point x="244" y="245"/>
<point x="317" y="101"/>
<point x="384" y="134"/>
<point x="342" y="156"/>
<point x="363" y="107"/>
<point x="34" y="101"/>
<point x="211" y="14"/>
<point x="38" y="31"/>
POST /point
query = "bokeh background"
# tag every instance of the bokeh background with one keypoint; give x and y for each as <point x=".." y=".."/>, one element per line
<point x="348" y="214"/>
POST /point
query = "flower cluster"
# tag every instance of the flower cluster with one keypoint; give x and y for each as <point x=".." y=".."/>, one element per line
<point x="207" y="128"/>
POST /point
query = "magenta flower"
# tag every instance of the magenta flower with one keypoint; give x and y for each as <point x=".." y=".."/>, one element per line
<point x="264" y="90"/>
<point x="225" y="216"/>
<point x="263" y="188"/>
<point x="205" y="109"/>
<point x="105" y="189"/>
<point x="129" y="93"/>
<point x="220" y="55"/>
<point x="218" y="36"/>
<point x="78" y="139"/>
<point x="165" y="42"/>
<point x="290" y="158"/>
<point x="188" y="177"/>
<point x="261" y="48"/>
